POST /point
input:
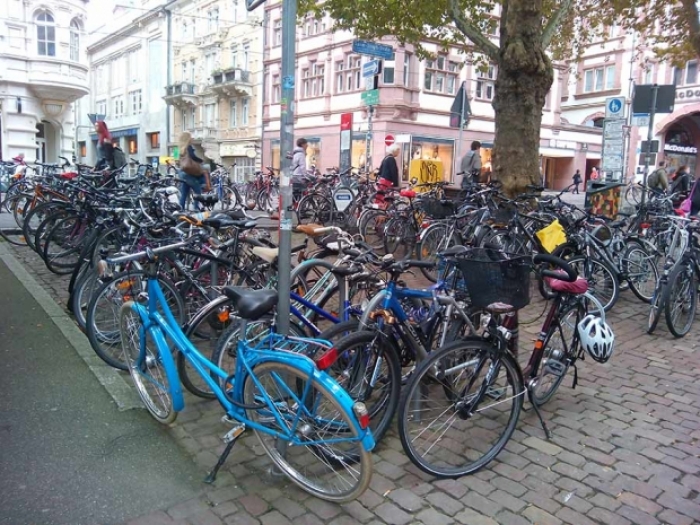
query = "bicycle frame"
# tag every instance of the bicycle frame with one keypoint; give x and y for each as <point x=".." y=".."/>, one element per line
<point x="247" y="359"/>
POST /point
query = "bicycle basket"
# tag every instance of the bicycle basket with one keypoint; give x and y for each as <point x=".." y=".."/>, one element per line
<point x="496" y="277"/>
<point x="503" y="214"/>
<point x="438" y="208"/>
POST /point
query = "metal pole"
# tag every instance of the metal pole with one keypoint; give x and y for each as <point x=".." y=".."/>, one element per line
<point x="289" y="18"/>
<point x="368" y="142"/>
<point x="461" y="130"/>
<point x="650" y="136"/>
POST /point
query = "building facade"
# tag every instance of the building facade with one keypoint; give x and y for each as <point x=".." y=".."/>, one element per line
<point x="414" y="106"/>
<point x="128" y="75"/>
<point x="215" y="90"/>
<point x="43" y="71"/>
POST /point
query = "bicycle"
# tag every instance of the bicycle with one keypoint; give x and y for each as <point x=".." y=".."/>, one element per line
<point x="288" y="416"/>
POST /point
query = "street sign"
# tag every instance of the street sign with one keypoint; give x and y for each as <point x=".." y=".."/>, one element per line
<point x="371" y="68"/>
<point x="640" y="120"/>
<point x="373" y="49"/>
<point x="654" y="146"/>
<point x="389" y="140"/>
<point x="460" y="109"/>
<point x="643" y="159"/>
<point x="252" y="4"/>
<point x="615" y="108"/>
<point x="370" y="98"/>
<point x="643" y="96"/>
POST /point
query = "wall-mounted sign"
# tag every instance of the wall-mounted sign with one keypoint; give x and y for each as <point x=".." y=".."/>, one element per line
<point x="687" y="150"/>
<point x="682" y="94"/>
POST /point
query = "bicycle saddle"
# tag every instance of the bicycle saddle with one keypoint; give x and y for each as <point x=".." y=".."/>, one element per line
<point x="218" y="222"/>
<point x="207" y="200"/>
<point x="251" y="304"/>
<point x="577" y="287"/>
<point x="411" y="194"/>
<point x="266" y="254"/>
<point x="309" y="229"/>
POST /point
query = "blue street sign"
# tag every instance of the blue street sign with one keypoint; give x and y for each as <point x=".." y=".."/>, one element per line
<point x="614" y="108"/>
<point x="373" y="49"/>
<point x="371" y="68"/>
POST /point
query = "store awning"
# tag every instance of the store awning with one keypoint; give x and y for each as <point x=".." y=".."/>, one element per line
<point x="557" y="153"/>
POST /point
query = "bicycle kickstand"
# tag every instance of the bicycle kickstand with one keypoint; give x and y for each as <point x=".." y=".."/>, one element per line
<point x="547" y="433"/>
<point x="230" y="439"/>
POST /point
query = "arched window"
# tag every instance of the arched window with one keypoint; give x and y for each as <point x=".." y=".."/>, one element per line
<point x="74" y="41"/>
<point x="45" y="34"/>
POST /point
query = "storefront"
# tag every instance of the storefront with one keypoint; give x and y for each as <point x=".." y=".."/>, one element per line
<point x="679" y="149"/>
<point x="313" y="153"/>
<point x="431" y="148"/>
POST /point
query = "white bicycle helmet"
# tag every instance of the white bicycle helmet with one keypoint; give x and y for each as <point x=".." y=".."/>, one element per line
<point x="596" y="337"/>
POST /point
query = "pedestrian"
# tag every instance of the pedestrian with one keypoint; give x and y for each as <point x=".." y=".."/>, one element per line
<point x="389" y="169"/>
<point x="577" y="181"/>
<point x="594" y="174"/>
<point x="471" y="166"/>
<point x="105" y="148"/>
<point x="681" y="181"/>
<point x="658" y="180"/>
<point x="192" y="172"/>
<point x="299" y="170"/>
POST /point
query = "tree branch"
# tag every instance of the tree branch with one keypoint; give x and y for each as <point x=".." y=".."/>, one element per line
<point x="472" y="32"/>
<point x="553" y="25"/>
<point x="692" y="18"/>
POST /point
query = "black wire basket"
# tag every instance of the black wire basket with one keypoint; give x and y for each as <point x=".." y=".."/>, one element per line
<point x="438" y="208"/>
<point x="503" y="214"/>
<point x="491" y="277"/>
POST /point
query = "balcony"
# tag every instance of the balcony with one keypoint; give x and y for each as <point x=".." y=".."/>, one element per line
<point x="181" y="94"/>
<point x="53" y="79"/>
<point x="231" y="82"/>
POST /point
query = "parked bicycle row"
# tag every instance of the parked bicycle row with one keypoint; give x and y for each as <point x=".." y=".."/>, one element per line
<point x="179" y="298"/>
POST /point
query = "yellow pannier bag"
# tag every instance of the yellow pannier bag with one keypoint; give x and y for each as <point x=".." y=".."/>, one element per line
<point x="552" y="236"/>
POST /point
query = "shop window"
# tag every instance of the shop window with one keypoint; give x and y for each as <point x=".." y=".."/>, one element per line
<point x="132" y="145"/>
<point x="154" y="140"/>
<point x="434" y="149"/>
<point x="83" y="149"/>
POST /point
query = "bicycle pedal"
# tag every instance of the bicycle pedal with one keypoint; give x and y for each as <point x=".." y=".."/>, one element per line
<point x="233" y="434"/>
<point x="556" y="368"/>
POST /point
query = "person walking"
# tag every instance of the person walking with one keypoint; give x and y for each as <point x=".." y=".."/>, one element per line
<point x="681" y="181"/>
<point x="659" y="179"/>
<point x="577" y="181"/>
<point x="594" y="174"/>
<point x="105" y="148"/>
<point x="192" y="172"/>
<point x="471" y="166"/>
<point x="389" y="169"/>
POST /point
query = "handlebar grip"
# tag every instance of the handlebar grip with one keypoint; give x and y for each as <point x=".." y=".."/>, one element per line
<point x="139" y="255"/>
<point x="571" y="274"/>
<point x="327" y="229"/>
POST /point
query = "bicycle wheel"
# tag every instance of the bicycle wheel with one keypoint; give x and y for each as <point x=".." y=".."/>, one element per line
<point x="399" y="238"/>
<point x="681" y="301"/>
<point x="145" y="365"/>
<point x="322" y="428"/>
<point x="102" y="317"/>
<point x="36" y="216"/>
<point x="64" y="243"/>
<point x="602" y="281"/>
<point x="16" y="205"/>
<point x="433" y="241"/>
<point x="368" y="369"/>
<point x="558" y="352"/>
<point x="656" y="307"/>
<point x="314" y="209"/>
<point x="371" y="228"/>
<point x="456" y="450"/>
<point x="640" y="270"/>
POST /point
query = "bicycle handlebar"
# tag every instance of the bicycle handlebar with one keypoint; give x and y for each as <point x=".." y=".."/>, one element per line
<point x="571" y="274"/>
<point x="139" y="255"/>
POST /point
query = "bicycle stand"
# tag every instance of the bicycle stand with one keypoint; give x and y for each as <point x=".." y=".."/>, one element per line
<point x="230" y="439"/>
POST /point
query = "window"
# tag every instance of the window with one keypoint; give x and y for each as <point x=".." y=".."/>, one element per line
<point x="314" y="27"/>
<point x="313" y="80"/>
<point x="118" y="72"/>
<point x="101" y="107"/>
<point x="388" y="72"/>
<point x="686" y="76"/>
<point x="441" y="76"/>
<point x="153" y="140"/>
<point x="45" y="34"/>
<point x="246" y="58"/>
<point x="132" y="144"/>
<point x="83" y="149"/>
<point x="183" y="119"/>
<point x="234" y="55"/>
<point x="184" y="75"/>
<point x="74" y="41"/>
<point x="118" y="105"/>
<point x="246" y="111"/>
<point x="213" y="20"/>
<point x="406" y="69"/>
<point x="210" y="115"/>
<point x="233" y="113"/>
<point x="348" y="74"/>
<point x="209" y="63"/>
<point x="485" y="84"/>
<point x="185" y="31"/>
<point x="192" y="71"/>
<point x="134" y="66"/>
<point x="276" y="90"/>
<point x="599" y="79"/>
<point x="193" y="117"/>
<point x="277" y="33"/>
<point x="135" y="102"/>
<point x="649" y="74"/>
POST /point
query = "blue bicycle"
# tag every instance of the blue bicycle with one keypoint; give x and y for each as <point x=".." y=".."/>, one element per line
<point x="308" y="425"/>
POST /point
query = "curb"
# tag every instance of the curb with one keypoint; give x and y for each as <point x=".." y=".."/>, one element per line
<point x="113" y="381"/>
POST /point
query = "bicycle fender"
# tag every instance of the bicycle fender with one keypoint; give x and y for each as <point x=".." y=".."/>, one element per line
<point x="373" y="304"/>
<point x="307" y="366"/>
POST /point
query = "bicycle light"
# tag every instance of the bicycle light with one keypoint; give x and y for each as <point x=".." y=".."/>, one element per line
<point x="326" y="359"/>
<point x="362" y="414"/>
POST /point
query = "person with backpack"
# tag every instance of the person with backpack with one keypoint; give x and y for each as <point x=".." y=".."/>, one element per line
<point x="105" y="148"/>
<point x="192" y="171"/>
<point x="681" y="181"/>
<point x="659" y="179"/>
<point x="577" y="181"/>
<point x="471" y="166"/>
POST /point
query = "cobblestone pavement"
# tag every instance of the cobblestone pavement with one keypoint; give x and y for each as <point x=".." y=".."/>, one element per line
<point x="624" y="451"/>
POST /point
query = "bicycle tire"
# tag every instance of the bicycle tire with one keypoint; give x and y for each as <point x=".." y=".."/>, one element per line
<point x="683" y="272"/>
<point x="11" y="203"/>
<point x="362" y="464"/>
<point x="439" y="231"/>
<point x="168" y="415"/>
<point x="27" y="231"/>
<point x="615" y="295"/>
<point x="484" y="350"/>
<point x="52" y="261"/>
<point x="625" y="263"/>
<point x="656" y="307"/>
<point x="169" y="290"/>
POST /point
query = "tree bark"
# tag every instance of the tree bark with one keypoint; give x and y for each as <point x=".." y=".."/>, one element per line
<point x="525" y="75"/>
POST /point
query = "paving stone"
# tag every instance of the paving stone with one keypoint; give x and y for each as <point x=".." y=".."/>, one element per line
<point x="187" y="508"/>
<point x="673" y="518"/>
<point x="470" y="517"/>
<point x="253" y="504"/>
<point x="510" y="502"/>
<point x="444" y="503"/>
<point x="482" y="504"/>
<point x="323" y="509"/>
<point x="543" y="446"/>
<point x="508" y="518"/>
<point x="452" y="487"/>
<point x="541" y="517"/>
<point x="606" y="502"/>
<point x="639" y="502"/>
<point x="431" y="516"/>
<point x="225" y="508"/>
<point x="572" y="517"/>
<point x="510" y="486"/>
<point x="681" y="505"/>
<point x="569" y="471"/>
<point x="241" y="518"/>
<point x="357" y="512"/>
<point x="154" y="518"/>
<point x="407" y="500"/>
<point x="274" y="518"/>
<point x="607" y="517"/>
<point x="637" y="516"/>
<point x="206" y="517"/>
<point x="289" y="508"/>
<point x="392" y="514"/>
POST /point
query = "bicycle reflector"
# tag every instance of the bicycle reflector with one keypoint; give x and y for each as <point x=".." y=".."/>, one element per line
<point x="361" y="413"/>
<point x="326" y="359"/>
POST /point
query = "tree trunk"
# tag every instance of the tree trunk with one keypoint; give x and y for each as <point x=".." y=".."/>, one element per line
<point x="525" y="75"/>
